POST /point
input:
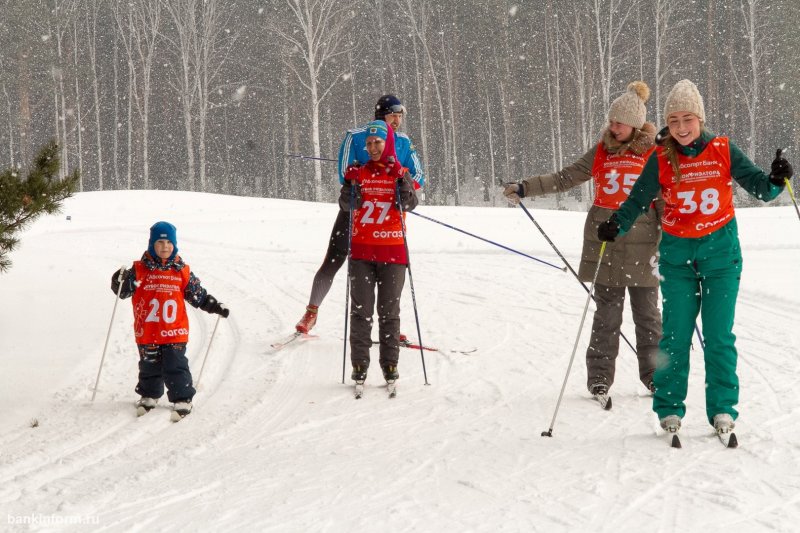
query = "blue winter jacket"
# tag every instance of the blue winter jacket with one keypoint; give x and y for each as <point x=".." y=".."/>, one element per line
<point x="354" y="148"/>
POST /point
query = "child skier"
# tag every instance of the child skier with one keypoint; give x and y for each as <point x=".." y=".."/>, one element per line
<point x="159" y="283"/>
<point x="378" y="249"/>
<point x="701" y="260"/>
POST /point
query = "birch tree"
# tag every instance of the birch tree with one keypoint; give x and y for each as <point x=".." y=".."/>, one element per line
<point x="139" y="25"/>
<point x="317" y="33"/>
<point x="609" y="18"/>
<point x="664" y="12"/>
<point x="756" y="29"/>
<point x="91" y="14"/>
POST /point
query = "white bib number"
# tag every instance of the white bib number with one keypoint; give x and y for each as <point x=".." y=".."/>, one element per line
<point x="613" y="185"/>
<point x="367" y="217"/>
<point x="709" y="201"/>
<point x="169" y="312"/>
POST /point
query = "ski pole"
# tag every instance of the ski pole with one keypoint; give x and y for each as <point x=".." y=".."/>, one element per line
<point x="210" y="341"/>
<point x="347" y="285"/>
<point x="530" y="216"/>
<point x="487" y="240"/>
<point x="108" y="334"/>
<point x="549" y="432"/>
<point x="411" y="282"/>
<point x="791" y="195"/>
<point x="778" y="154"/>
<point x="301" y="156"/>
<point x="699" y="336"/>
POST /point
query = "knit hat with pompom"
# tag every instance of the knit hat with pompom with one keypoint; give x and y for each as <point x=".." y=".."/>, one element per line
<point x="629" y="108"/>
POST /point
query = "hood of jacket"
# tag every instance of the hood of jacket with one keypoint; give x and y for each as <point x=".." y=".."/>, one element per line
<point x="643" y="140"/>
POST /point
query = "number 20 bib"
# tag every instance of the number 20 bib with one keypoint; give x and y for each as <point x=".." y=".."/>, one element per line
<point x="702" y="201"/>
<point x="159" y="311"/>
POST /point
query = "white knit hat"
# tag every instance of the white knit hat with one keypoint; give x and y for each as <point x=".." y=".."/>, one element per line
<point x="684" y="96"/>
<point x="629" y="108"/>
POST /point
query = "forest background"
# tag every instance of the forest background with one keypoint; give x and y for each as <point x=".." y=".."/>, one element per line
<point x="217" y="96"/>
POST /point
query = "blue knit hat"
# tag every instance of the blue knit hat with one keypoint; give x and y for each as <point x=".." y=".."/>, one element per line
<point x="377" y="128"/>
<point x="163" y="230"/>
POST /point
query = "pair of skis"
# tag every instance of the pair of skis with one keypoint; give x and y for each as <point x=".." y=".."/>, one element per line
<point x="727" y="438"/>
<point x="391" y="389"/>
<point x="175" y="416"/>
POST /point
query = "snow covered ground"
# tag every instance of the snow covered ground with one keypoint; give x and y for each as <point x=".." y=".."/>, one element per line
<point x="277" y="443"/>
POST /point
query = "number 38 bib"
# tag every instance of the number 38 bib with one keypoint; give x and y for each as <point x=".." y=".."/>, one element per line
<point x="702" y="201"/>
<point x="159" y="311"/>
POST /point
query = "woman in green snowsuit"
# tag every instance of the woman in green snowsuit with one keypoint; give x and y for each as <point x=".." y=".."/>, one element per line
<point x="700" y="258"/>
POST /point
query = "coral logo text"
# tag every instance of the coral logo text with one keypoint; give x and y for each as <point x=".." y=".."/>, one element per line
<point x="174" y="332"/>
<point x="387" y="234"/>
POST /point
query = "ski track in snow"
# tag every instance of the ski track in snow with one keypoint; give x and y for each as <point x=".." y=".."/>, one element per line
<point x="277" y="443"/>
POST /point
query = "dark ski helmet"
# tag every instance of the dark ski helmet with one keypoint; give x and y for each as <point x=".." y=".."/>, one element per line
<point x="387" y="104"/>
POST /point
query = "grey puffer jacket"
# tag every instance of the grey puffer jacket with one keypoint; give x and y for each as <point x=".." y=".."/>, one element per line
<point x="631" y="259"/>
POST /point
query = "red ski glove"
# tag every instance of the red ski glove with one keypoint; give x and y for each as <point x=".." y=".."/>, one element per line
<point x="353" y="173"/>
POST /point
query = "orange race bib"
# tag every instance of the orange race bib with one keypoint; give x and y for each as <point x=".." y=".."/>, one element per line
<point x="702" y="201"/>
<point x="614" y="176"/>
<point x="159" y="310"/>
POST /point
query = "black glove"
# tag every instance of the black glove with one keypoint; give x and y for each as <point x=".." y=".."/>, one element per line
<point x="607" y="231"/>
<point x="128" y="283"/>
<point x="350" y="193"/>
<point x="781" y="169"/>
<point x="211" y="305"/>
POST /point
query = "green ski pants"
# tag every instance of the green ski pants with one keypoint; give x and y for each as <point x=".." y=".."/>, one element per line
<point x="699" y="276"/>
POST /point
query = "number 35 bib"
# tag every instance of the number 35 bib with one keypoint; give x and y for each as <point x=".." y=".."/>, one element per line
<point x="702" y="201"/>
<point x="159" y="311"/>
<point x="614" y="176"/>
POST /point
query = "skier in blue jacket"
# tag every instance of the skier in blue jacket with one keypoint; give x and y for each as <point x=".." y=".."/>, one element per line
<point x="352" y="153"/>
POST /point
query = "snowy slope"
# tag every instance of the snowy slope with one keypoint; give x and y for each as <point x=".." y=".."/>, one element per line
<point x="276" y="442"/>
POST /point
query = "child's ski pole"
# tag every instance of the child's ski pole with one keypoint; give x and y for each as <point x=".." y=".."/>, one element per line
<point x="108" y="335"/>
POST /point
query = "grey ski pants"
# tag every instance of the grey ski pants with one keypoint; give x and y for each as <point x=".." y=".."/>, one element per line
<point x="389" y="278"/>
<point x="604" y="344"/>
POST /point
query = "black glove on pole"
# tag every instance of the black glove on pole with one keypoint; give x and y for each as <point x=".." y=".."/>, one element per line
<point x="607" y="231"/>
<point x="780" y="170"/>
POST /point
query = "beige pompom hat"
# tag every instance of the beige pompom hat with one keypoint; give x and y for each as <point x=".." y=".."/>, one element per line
<point x="684" y="96"/>
<point x="629" y="108"/>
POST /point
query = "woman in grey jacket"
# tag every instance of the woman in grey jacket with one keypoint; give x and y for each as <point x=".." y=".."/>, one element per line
<point x="614" y="164"/>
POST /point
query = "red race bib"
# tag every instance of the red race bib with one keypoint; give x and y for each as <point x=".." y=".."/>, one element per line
<point x="159" y="311"/>
<point x="614" y="176"/>
<point x="702" y="201"/>
<point x="377" y="228"/>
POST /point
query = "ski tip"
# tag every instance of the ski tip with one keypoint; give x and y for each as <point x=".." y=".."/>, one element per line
<point x="676" y="442"/>
<point x="733" y="442"/>
<point x="607" y="406"/>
